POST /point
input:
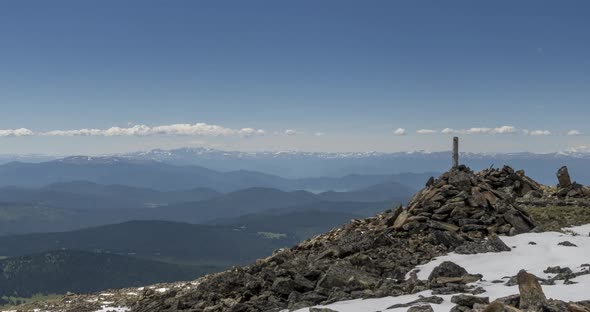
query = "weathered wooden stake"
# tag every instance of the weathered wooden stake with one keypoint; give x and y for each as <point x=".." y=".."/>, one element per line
<point x="455" y="152"/>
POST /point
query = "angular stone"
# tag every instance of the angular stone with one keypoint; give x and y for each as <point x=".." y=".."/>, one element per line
<point x="461" y="212"/>
<point x="473" y="227"/>
<point x="431" y="299"/>
<point x="477" y="199"/>
<point x="468" y="300"/>
<point x="518" y="222"/>
<point x="340" y="275"/>
<point x="490" y="197"/>
<point x="439" y="217"/>
<point x="422" y="308"/>
<point x="462" y="222"/>
<point x="447" y="208"/>
<point x="446" y="238"/>
<point x="460" y="179"/>
<point x="563" y="177"/>
<point x="446" y="269"/>
<point x="401" y="219"/>
<point x="532" y="296"/>
<point x="443" y="226"/>
<point x="283" y="285"/>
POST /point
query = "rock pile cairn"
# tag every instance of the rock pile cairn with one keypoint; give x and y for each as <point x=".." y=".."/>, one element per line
<point x="473" y="205"/>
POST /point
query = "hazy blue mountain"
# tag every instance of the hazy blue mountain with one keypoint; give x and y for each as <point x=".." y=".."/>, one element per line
<point x="387" y="191"/>
<point x="541" y="167"/>
<point x="82" y="272"/>
<point x="31" y="158"/>
<point x="113" y="170"/>
<point x="156" y="240"/>
<point x="165" y="177"/>
<point x="263" y="200"/>
<point x="39" y="210"/>
<point x="18" y="218"/>
<point x="299" y="225"/>
<point x="92" y="196"/>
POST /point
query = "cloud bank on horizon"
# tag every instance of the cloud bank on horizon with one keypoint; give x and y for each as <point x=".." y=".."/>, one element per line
<point x="204" y="129"/>
<point x="197" y="129"/>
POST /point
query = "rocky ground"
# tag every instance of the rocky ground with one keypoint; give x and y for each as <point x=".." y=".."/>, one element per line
<point x="461" y="212"/>
<point x="561" y="268"/>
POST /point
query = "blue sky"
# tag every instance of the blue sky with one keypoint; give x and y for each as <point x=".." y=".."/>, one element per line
<point x="307" y="75"/>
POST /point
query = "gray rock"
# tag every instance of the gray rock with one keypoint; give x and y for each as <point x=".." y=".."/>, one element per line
<point x="469" y="301"/>
<point x="446" y="269"/>
<point x="431" y="299"/>
<point x="460" y="179"/>
<point x="422" y="308"/>
<point x="563" y="177"/>
<point x="443" y="226"/>
<point x="567" y="244"/>
<point x="492" y="244"/>
<point x="557" y="270"/>
<point x="283" y="285"/>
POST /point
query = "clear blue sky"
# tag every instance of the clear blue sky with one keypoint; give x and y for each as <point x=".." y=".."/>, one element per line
<point x="313" y="75"/>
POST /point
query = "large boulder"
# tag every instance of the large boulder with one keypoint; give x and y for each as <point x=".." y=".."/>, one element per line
<point x="446" y="269"/>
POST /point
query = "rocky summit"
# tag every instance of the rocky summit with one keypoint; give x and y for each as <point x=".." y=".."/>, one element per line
<point x="473" y="205"/>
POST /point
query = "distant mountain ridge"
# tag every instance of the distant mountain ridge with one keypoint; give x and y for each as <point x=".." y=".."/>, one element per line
<point x="83" y="195"/>
<point x="297" y="164"/>
<point x="166" y="177"/>
<point x="74" y="205"/>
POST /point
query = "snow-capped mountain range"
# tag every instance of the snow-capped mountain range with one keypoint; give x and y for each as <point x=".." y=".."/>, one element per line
<point x="297" y="164"/>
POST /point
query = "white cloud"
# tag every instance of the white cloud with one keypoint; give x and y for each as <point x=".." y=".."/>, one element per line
<point x="16" y="132"/>
<point x="505" y="130"/>
<point x="425" y="131"/>
<point x="490" y="131"/>
<point x="399" y="131"/>
<point x="81" y="132"/>
<point x="540" y="132"/>
<point x="574" y="132"/>
<point x="248" y="132"/>
<point x="291" y="132"/>
<point x="198" y="129"/>
<point x="579" y="149"/>
<point x="319" y="134"/>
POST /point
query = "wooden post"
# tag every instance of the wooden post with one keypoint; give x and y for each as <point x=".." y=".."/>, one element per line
<point x="455" y="152"/>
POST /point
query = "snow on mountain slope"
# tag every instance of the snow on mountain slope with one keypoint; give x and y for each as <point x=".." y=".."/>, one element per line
<point x="500" y="267"/>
